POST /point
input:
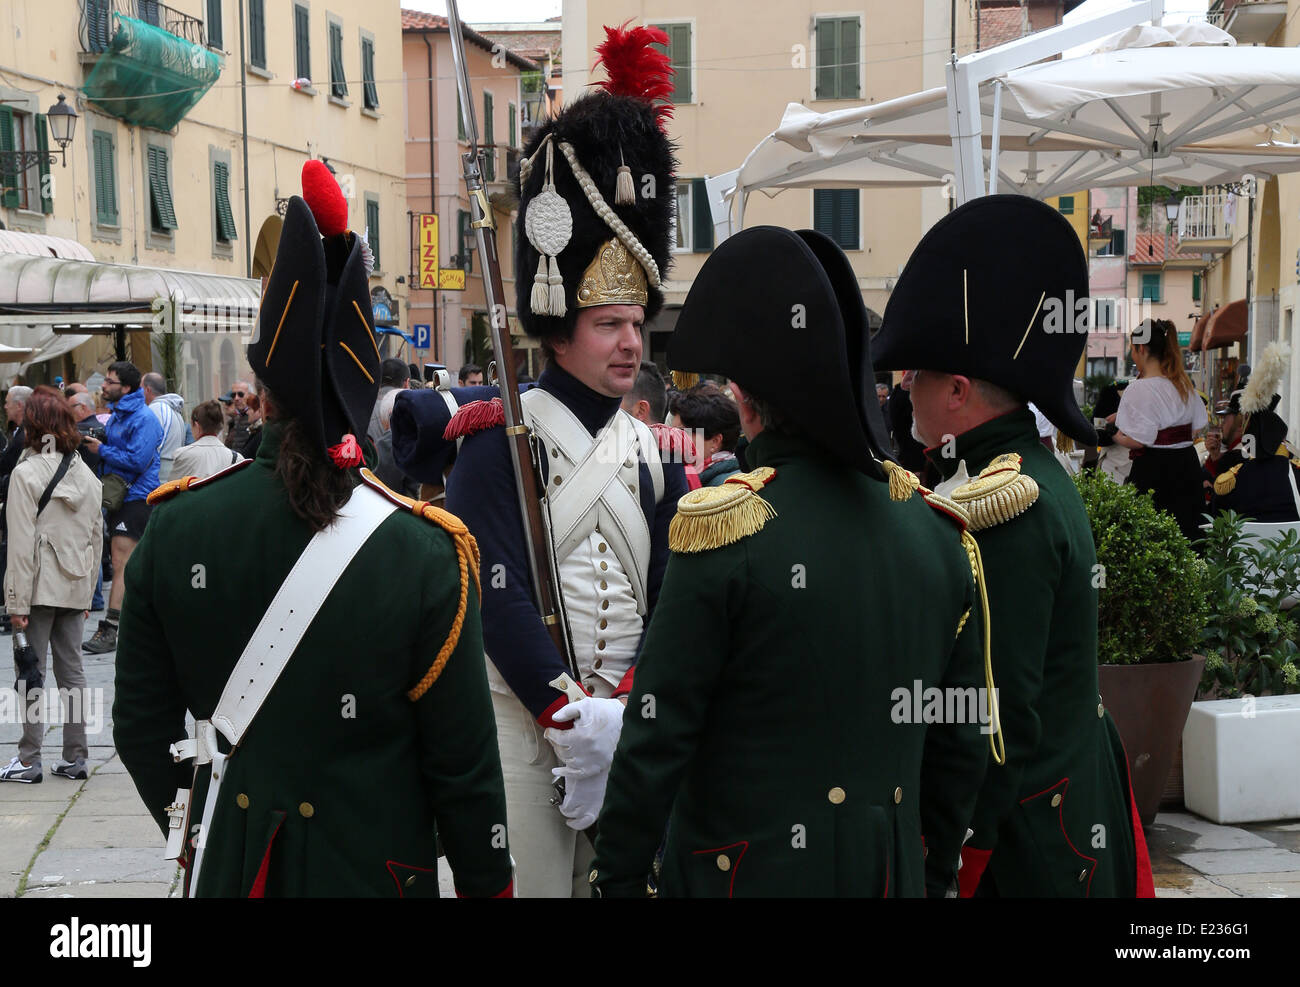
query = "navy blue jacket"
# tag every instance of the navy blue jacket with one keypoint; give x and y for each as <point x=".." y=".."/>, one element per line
<point x="130" y="447"/>
<point x="481" y="491"/>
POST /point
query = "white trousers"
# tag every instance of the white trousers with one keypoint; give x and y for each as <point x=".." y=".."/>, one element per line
<point x="551" y="860"/>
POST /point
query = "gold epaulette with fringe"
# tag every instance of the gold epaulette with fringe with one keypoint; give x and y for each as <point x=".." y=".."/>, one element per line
<point x="467" y="561"/>
<point x="902" y="482"/>
<point x="712" y="517"/>
<point x="1226" y="482"/>
<point x="1001" y="492"/>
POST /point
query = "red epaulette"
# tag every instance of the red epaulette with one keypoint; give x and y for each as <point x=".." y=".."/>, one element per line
<point x="477" y="416"/>
<point x="172" y="487"/>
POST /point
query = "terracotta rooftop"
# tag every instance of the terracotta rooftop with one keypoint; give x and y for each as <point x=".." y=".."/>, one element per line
<point x="1149" y="248"/>
<point x="418" y="20"/>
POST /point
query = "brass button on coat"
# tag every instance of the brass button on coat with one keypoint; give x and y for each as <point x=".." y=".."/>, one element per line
<point x="1101" y="710"/>
<point x="1056" y="800"/>
<point x="836" y="795"/>
<point x="604" y="585"/>
<point x="557" y="481"/>
<point x="604" y="604"/>
<point x="591" y="878"/>
<point x="603" y="623"/>
<point x="306" y="810"/>
<point x="604" y="565"/>
<point x="241" y="800"/>
<point x="1083" y="875"/>
<point x="602" y="546"/>
<point x="724" y="862"/>
<point x="898" y="796"/>
<point x="600" y="645"/>
<point x="597" y="663"/>
<point x="410" y="880"/>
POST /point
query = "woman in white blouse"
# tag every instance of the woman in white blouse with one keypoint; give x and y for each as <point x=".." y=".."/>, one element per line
<point x="1159" y="417"/>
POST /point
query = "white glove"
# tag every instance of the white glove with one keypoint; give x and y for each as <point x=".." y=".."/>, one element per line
<point x="583" y="796"/>
<point x="587" y="748"/>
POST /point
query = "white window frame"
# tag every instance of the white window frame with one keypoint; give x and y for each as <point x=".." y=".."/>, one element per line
<point x="689" y="228"/>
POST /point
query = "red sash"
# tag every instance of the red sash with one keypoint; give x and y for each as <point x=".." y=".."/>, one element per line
<point x="1166" y="437"/>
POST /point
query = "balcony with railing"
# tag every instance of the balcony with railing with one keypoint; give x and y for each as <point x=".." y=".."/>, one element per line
<point x="146" y="63"/>
<point x="1205" y="223"/>
<point x="1251" y="22"/>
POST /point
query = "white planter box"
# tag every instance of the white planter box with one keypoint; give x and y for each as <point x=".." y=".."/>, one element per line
<point x="1239" y="759"/>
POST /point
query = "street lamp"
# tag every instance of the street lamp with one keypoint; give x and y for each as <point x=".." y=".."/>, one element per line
<point x="1172" y="205"/>
<point x="62" y="121"/>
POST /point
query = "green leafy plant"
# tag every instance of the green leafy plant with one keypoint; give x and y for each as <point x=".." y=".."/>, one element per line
<point x="1250" y="640"/>
<point x="1151" y="589"/>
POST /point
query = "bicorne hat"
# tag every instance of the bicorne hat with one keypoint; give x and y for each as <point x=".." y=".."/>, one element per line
<point x="799" y="341"/>
<point x="997" y="291"/>
<point x="315" y="343"/>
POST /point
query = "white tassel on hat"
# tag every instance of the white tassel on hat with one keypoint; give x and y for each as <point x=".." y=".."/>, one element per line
<point x="624" y="188"/>
<point x="548" y="223"/>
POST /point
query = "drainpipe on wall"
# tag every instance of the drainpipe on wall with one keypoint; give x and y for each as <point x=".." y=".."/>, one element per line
<point x="433" y="201"/>
<point x="243" y="108"/>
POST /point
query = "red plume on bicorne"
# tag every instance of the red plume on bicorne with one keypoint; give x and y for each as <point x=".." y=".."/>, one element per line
<point x="634" y="68"/>
<point x="325" y="199"/>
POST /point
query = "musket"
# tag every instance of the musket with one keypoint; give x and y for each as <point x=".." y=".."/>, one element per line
<point x="542" y="565"/>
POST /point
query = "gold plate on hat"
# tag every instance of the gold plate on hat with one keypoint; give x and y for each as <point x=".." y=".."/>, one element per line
<point x="614" y="277"/>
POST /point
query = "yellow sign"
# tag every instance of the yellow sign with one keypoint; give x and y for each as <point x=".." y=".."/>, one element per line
<point x="431" y="275"/>
<point x="428" y="250"/>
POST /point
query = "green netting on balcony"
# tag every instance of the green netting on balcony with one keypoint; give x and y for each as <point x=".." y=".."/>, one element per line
<point x="150" y="77"/>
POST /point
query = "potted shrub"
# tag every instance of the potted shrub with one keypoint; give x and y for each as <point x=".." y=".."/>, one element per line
<point x="1250" y="638"/>
<point x="1151" y="596"/>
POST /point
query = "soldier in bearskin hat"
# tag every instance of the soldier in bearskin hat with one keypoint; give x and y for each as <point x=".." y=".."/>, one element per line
<point x="593" y="239"/>
<point x="261" y="598"/>
<point x="788" y="755"/>
<point x="987" y="332"/>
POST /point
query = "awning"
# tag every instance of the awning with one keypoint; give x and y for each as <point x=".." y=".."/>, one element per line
<point x="85" y="297"/>
<point x="1227" y="325"/>
<point x="41" y="245"/>
<point x="1198" y="332"/>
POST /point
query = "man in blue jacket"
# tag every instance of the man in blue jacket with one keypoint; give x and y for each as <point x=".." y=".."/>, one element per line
<point x="129" y="450"/>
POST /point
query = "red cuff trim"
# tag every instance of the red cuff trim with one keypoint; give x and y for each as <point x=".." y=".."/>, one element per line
<point x="259" y="883"/>
<point x="625" y="685"/>
<point x="973" y="863"/>
<point x="507" y="892"/>
<point x="546" y="719"/>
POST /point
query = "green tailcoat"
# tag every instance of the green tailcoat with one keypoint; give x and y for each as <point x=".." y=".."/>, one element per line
<point x="341" y="782"/>
<point x="1057" y="816"/>
<point x="767" y="731"/>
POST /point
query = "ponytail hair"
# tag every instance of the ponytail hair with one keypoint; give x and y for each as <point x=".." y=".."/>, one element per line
<point x="1161" y="338"/>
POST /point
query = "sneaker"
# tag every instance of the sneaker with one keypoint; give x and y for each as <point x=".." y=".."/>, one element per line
<point x="70" y="769"/>
<point x="102" y="641"/>
<point x="15" y="770"/>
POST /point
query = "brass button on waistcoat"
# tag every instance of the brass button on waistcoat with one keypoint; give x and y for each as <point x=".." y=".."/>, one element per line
<point x="1056" y="800"/>
<point x="241" y="800"/>
<point x="602" y="546"/>
<point x="604" y="604"/>
<point x="597" y="663"/>
<point x="306" y="810"/>
<point x="604" y="565"/>
<point x="603" y="623"/>
<point x="557" y="481"/>
<point x="600" y="645"/>
<point x="604" y="585"/>
<point x="724" y="862"/>
<point x="836" y="795"/>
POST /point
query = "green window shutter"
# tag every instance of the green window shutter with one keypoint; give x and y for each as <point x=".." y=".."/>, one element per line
<point x="372" y="227"/>
<point x="514" y="130"/>
<point x="462" y="237"/>
<point x="160" y="192"/>
<point x="1196" y="287"/>
<point x="823" y="211"/>
<point x="848" y="58"/>
<point x="702" y="238"/>
<point x="1151" y="287"/>
<point x="99" y="21"/>
<point x="1066" y="206"/>
<point x="226" y="230"/>
<point x="8" y="179"/>
<point x="105" y="180"/>
<point x="847" y="222"/>
<point x="683" y="84"/>
<point x="257" y="33"/>
<point x="371" y="94"/>
<point x="214" y="23"/>
<point x="828" y="50"/>
<point x="489" y="139"/>
<point x="302" y="43"/>
<point x="338" y="81"/>
<point x="45" y="188"/>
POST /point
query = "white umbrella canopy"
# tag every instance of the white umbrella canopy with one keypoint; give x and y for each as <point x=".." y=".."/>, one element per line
<point x="1187" y="107"/>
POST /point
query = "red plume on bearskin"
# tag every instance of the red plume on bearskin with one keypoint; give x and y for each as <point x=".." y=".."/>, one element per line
<point x="636" y="69"/>
<point x="324" y="198"/>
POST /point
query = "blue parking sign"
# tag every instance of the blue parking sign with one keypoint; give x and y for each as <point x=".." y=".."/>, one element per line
<point x="422" y="333"/>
